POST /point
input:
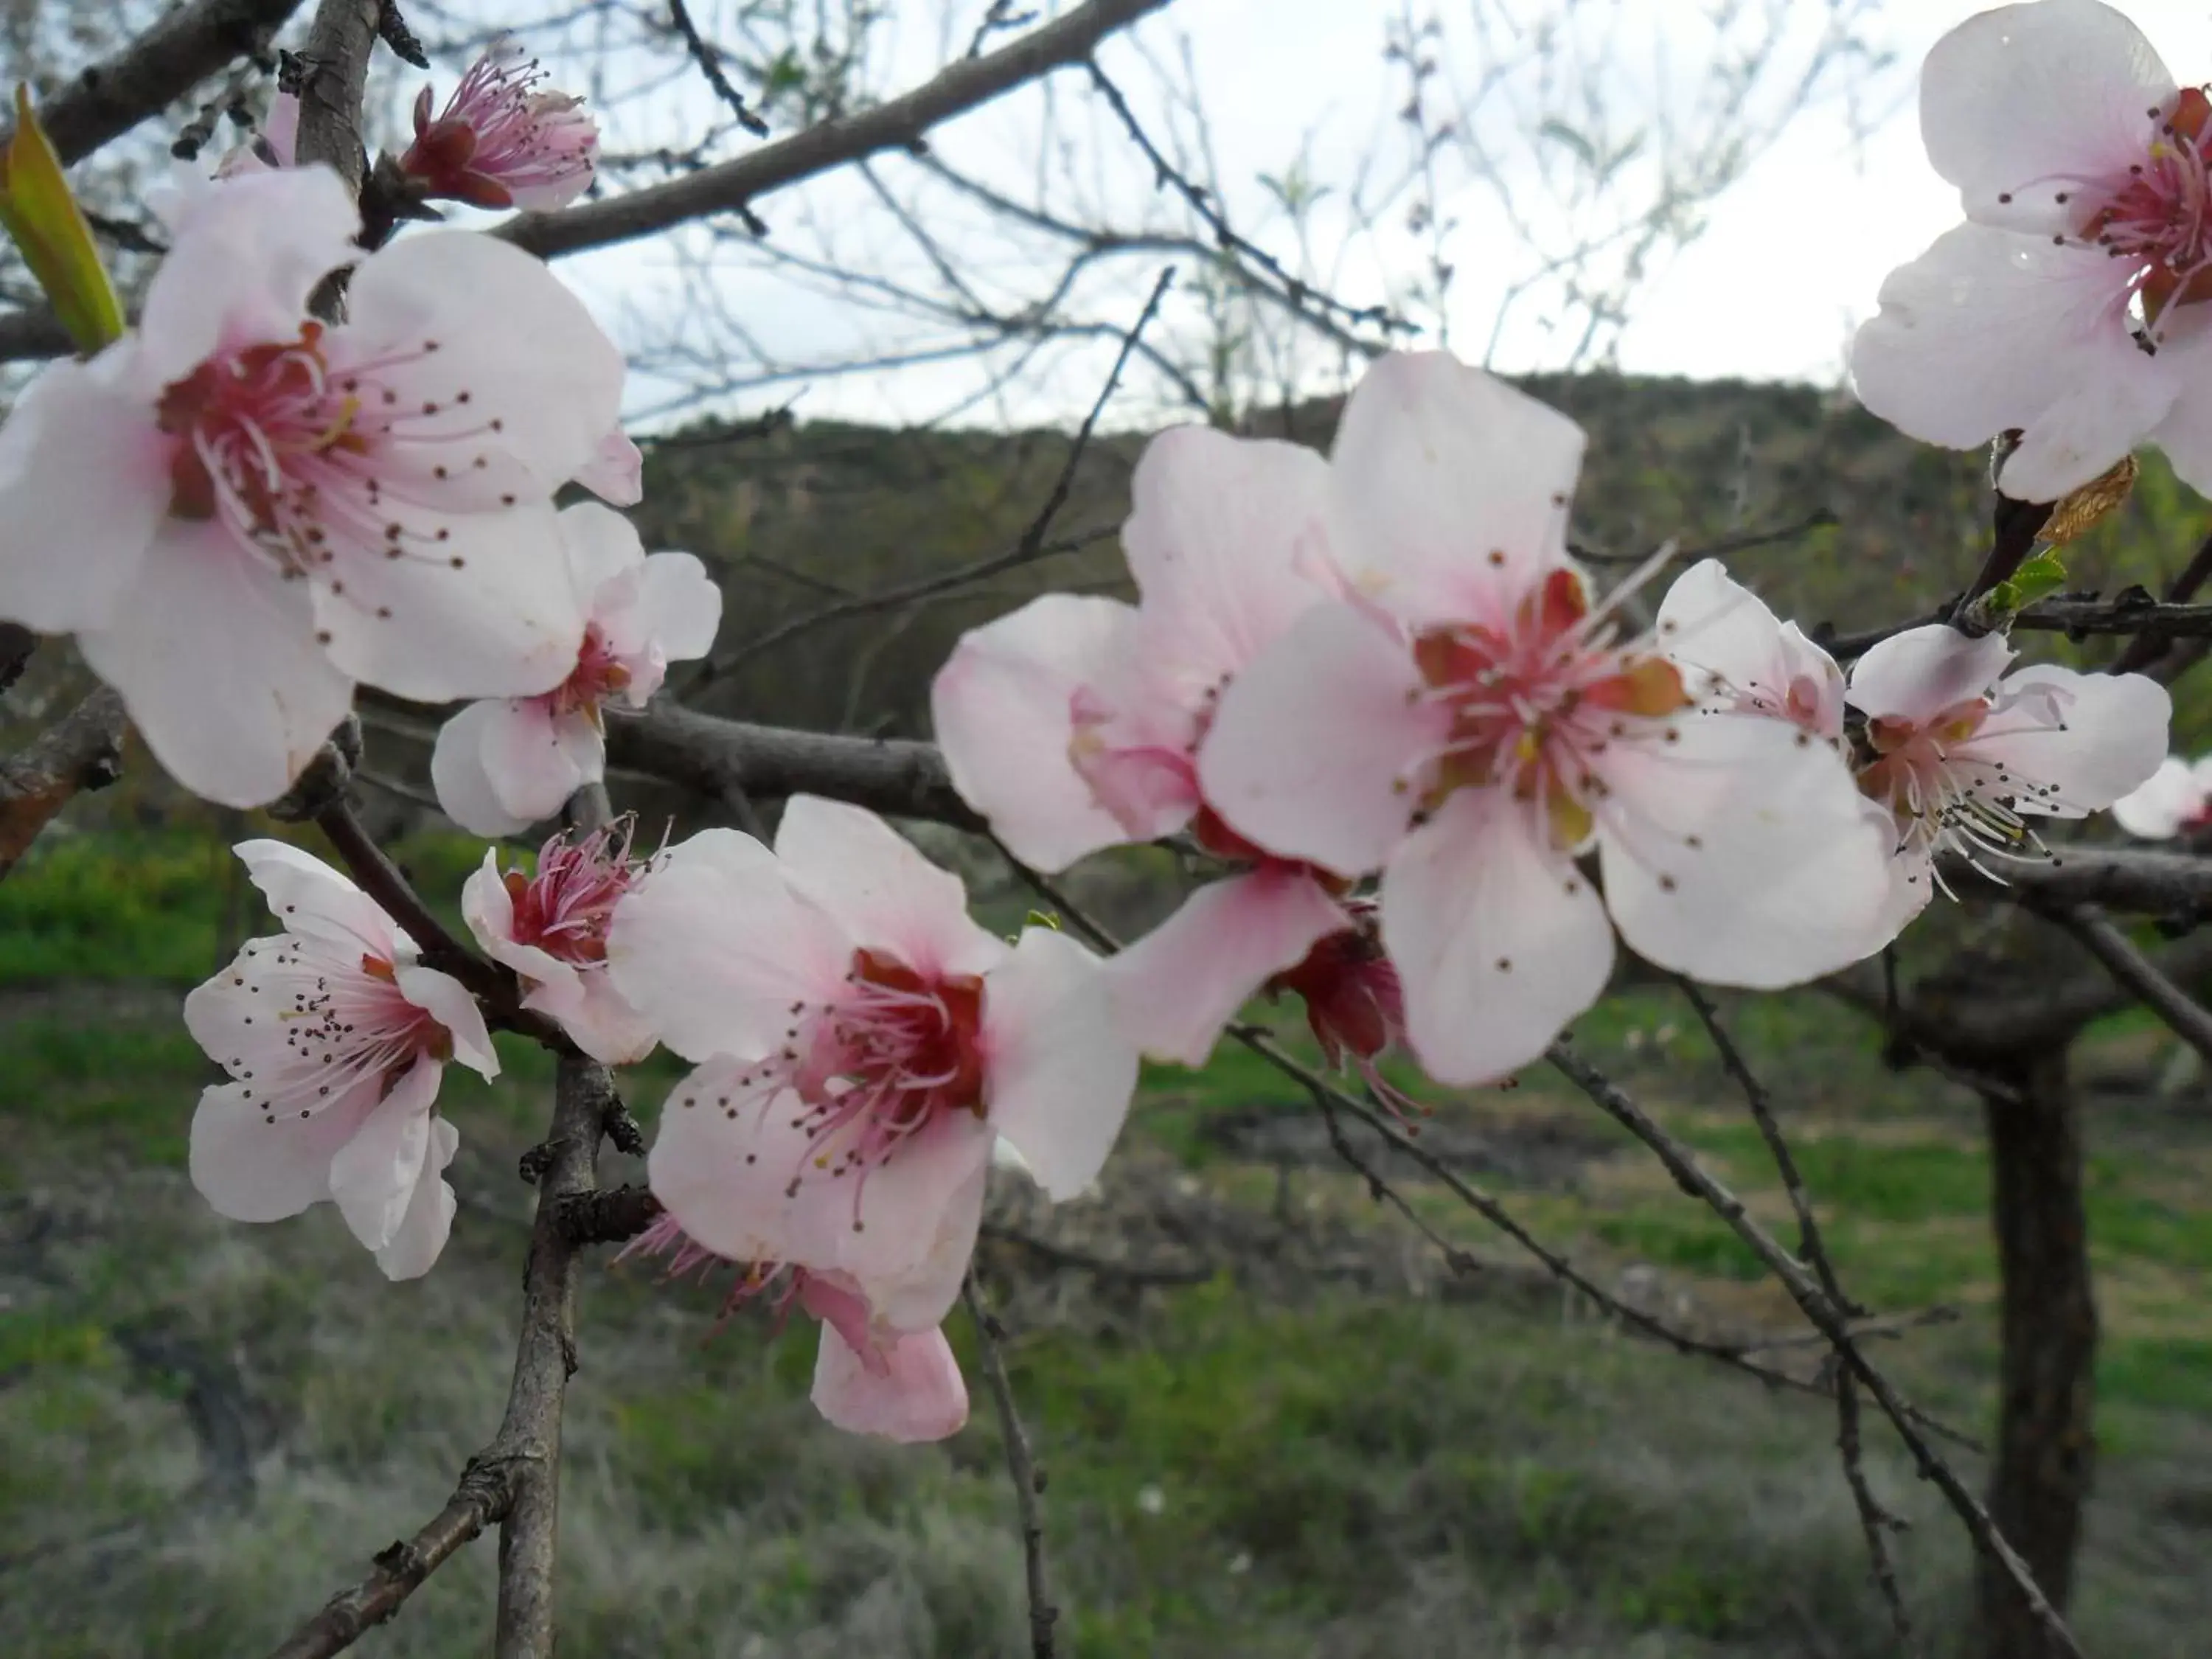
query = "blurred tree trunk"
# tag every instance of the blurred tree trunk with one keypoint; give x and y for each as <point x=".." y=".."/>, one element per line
<point x="2045" y="1443"/>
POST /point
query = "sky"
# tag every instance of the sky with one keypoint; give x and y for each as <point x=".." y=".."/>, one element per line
<point x="1791" y="257"/>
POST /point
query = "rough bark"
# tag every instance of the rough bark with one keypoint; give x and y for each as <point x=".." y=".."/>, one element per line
<point x="2047" y="1446"/>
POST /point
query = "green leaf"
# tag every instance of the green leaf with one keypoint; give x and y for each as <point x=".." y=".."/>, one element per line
<point x="49" y="229"/>
<point x="2039" y="575"/>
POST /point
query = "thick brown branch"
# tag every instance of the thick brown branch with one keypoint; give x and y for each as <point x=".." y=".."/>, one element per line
<point x="2140" y="880"/>
<point x="156" y="70"/>
<point x="713" y="756"/>
<point x="330" y="94"/>
<point x="730" y="186"/>
<point x="83" y="750"/>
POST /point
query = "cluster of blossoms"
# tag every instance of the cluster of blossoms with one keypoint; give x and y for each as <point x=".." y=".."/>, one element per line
<point x="1386" y="663"/>
<point x="1436" y="778"/>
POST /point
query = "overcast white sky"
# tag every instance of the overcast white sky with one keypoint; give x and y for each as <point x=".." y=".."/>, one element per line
<point x="1793" y="256"/>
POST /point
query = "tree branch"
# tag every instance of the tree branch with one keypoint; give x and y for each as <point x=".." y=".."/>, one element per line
<point x="1021" y="1467"/>
<point x="81" y="750"/>
<point x="161" y="66"/>
<point x="705" y="753"/>
<point x="339" y="43"/>
<point x="485" y="1490"/>
<point x="544" y="1359"/>
<point x="2189" y="1019"/>
<point x="1832" y="1321"/>
<point x="729" y="186"/>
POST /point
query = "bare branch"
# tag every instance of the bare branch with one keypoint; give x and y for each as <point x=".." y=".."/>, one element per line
<point x="81" y="750"/>
<point x="1021" y="1467"/>
<point x="339" y="43"/>
<point x="712" y="755"/>
<point x="161" y="66"/>
<point x="544" y="1359"/>
<point x="2189" y="1019"/>
<point x="1832" y="1322"/>
<point x="1330" y="1100"/>
<point x="729" y="186"/>
<point x="1031" y="547"/>
<point x="710" y="64"/>
<point x="482" y="1498"/>
<point x="1875" y="1521"/>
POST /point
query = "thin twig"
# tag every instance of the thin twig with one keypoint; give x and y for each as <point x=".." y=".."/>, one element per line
<point x="2188" y="1018"/>
<point x="1744" y="542"/>
<point x="709" y="60"/>
<point x="1875" y="1521"/>
<point x="2143" y="651"/>
<point x="1302" y="294"/>
<point x="1329" y="1099"/>
<point x="896" y="124"/>
<point x="482" y="1498"/>
<point x="1021" y="1467"/>
<point x="1031" y="546"/>
<point x="1807" y="1292"/>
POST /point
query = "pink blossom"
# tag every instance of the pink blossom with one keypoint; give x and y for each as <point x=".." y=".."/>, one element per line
<point x="502" y="140"/>
<point x="335" y="1038"/>
<point x="1963" y="758"/>
<point x="869" y="1378"/>
<point x="1473" y="724"/>
<point x="616" y="473"/>
<point x="551" y="929"/>
<point x="2175" y="801"/>
<point x="862" y="1043"/>
<point x="501" y="765"/>
<point x="239" y="511"/>
<point x="1074" y="723"/>
<point x="1739" y="656"/>
<point x="2070" y="306"/>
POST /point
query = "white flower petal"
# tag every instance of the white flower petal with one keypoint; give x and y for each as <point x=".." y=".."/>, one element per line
<point x="1060" y="1073"/>
<point x="1451" y="488"/>
<point x="217" y="662"/>
<point x="1001" y="709"/>
<point x="84" y="484"/>
<point x="2026" y="101"/>
<point x="1497" y="940"/>
<point x="879" y="887"/>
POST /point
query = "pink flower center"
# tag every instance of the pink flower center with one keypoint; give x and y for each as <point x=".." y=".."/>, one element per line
<point x="341" y="1019"/>
<point x="599" y="675"/>
<point x="1536" y="700"/>
<point x="1942" y="793"/>
<point x="294" y="452"/>
<point x="500" y="134"/>
<point x="2157" y="216"/>
<point x="1136" y="782"/>
<point x="829" y="1297"/>
<point x="566" y="908"/>
<point x="895" y="1053"/>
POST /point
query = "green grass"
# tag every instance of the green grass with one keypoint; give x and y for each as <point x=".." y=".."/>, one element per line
<point x="1229" y="1475"/>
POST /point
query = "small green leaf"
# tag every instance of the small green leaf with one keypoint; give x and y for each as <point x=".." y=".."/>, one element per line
<point x="2039" y="575"/>
<point x="49" y="229"/>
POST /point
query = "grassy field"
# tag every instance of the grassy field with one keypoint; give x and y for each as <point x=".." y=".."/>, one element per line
<point x="1328" y="1444"/>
